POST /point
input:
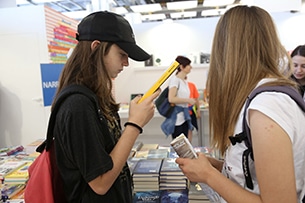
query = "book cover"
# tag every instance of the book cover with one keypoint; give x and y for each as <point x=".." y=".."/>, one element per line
<point x="8" y="191"/>
<point x="183" y="147"/>
<point x="147" y="167"/>
<point x="142" y="154"/>
<point x="161" y="80"/>
<point x="174" y="196"/>
<point x="157" y="153"/>
<point x="170" y="167"/>
<point x="148" y="146"/>
<point x="19" y="173"/>
<point x="9" y="166"/>
<point x="147" y="197"/>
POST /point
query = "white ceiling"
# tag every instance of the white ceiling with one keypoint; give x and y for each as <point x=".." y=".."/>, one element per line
<point x="146" y="10"/>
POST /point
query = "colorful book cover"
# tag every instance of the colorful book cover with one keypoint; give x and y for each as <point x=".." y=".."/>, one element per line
<point x="174" y="196"/>
<point x="8" y="191"/>
<point x="20" y="173"/>
<point x="147" y="197"/>
<point x="9" y="166"/>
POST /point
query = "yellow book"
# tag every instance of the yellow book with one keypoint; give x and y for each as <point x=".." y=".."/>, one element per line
<point x="161" y="80"/>
<point x="20" y="173"/>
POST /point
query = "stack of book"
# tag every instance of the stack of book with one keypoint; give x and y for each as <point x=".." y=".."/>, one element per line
<point x="196" y="195"/>
<point x="9" y="192"/>
<point x="18" y="176"/>
<point x="171" y="176"/>
<point x="146" y="175"/>
<point x="8" y="166"/>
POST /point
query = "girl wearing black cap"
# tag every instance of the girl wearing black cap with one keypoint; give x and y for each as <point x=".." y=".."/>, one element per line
<point x="91" y="157"/>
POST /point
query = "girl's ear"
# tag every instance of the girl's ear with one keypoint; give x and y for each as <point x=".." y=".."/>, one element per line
<point x="94" y="44"/>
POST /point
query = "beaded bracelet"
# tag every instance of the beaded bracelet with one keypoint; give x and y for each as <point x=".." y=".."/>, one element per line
<point x="134" y="125"/>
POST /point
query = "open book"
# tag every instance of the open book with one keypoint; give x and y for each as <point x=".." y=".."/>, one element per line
<point x="161" y="80"/>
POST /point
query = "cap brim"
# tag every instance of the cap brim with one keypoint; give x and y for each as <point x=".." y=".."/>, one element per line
<point x="134" y="51"/>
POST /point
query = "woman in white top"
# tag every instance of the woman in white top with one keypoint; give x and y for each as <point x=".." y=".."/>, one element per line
<point x="179" y="94"/>
<point x="247" y="53"/>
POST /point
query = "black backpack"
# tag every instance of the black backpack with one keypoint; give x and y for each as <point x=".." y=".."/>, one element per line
<point x="245" y="135"/>
<point x="162" y="104"/>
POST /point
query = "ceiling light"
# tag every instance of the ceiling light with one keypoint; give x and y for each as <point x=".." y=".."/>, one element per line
<point x="188" y="14"/>
<point x="213" y="12"/>
<point x="181" y="5"/>
<point x="119" y="10"/>
<point x="215" y="3"/>
<point x="146" y="8"/>
<point x="153" y="17"/>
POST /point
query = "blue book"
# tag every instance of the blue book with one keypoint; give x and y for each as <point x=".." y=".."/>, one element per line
<point x="147" y="167"/>
<point x="174" y="196"/>
<point x="147" y="197"/>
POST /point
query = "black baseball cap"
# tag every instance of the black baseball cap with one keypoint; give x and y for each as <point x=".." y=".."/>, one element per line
<point x="111" y="27"/>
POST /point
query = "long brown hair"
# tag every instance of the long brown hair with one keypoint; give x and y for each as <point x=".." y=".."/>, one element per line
<point x="245" y="50"/>
<point x="86" y="67"/>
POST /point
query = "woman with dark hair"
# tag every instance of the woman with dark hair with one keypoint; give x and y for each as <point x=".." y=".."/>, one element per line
<point x="298" y="60"/>
<point x="92" y="152"/>
<point x="179" y="94"/>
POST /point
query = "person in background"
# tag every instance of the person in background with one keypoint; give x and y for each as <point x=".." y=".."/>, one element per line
<point x="247" y="53"/>
<point x="298" y="60"/>
<point x="92" y="161"/>
<point x="179" y="94"/>
<point x="194" y="110"/>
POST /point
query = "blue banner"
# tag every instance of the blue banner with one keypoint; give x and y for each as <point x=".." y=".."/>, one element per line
<point x="49" y="75"/>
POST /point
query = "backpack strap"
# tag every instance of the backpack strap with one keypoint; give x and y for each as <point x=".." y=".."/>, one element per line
<point x="65" y="93"/>
<point x="245" y="135"/>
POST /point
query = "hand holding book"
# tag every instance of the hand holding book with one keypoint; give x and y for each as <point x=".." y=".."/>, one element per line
<point x="161" y="80"/>
<point x="183" y="147"/>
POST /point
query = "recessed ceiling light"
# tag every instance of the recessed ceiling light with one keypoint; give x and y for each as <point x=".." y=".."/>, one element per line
<point x="153" y="17"/>
<point x="146" y="8"/>
<point x="181" y="5"/>
<point x="188" y="14"/>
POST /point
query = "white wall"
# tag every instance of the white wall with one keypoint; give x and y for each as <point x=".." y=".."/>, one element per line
<point x="23" y="48"/>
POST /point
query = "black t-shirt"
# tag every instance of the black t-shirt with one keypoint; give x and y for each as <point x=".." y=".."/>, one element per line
<point x="83" y="143"/>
